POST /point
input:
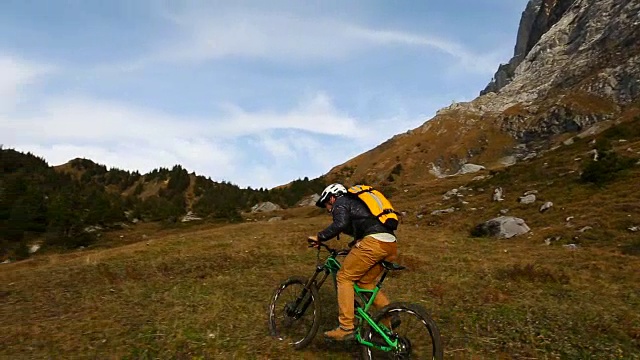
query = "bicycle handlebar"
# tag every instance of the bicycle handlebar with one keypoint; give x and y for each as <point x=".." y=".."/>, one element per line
<point x="332" y="251"/>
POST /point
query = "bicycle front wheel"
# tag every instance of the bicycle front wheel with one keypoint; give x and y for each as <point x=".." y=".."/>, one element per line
<point x="417" y="334"/>
<point x="293" y="312"/>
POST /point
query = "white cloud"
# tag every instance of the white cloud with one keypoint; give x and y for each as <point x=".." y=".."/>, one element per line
<point x="276" y="148"/>
<point x="206" y="33"/>
<point x="15" y="74"/>
<point x="85" y="119"/>
<point x="305" y="140"/>
<point x="316" y="115"/>
<point x="121" y="135"/>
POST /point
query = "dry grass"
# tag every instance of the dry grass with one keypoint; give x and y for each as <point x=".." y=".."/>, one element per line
<point x="204" y="293"/>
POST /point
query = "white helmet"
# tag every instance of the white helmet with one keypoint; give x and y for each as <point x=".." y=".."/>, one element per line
<point x="333" y="189"/>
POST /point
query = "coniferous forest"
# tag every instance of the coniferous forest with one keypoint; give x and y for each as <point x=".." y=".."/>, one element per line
<point x="59" y="205"/>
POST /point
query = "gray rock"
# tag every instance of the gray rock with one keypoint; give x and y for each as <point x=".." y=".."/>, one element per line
<point x="190" y="216"/>
<point x="309" y="200"/>
<point x="33" y="248"/>
<point x="508" y="160"/>
<point x="551" y="239"/>
<point x="586" y="228"/>
<point x="546" y="206"/>
<point x="265" y="207"/>
<point x="470" y="168"/>
<point x="92" y="229"/>
<point x="528" y="199"/>
<point x="437" y="171"/>
<point x="502" y="227"/>
<point x="449" y="194"/>
<point x="444" y="211"/>
<point x="592" y="130"/>
<point x="497" y="194"/>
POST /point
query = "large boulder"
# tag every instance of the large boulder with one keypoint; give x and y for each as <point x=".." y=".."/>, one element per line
<point x="502" y="227"/>
<point x="265" y="207"/>
<point x="309" y="200"/>
<point x="470" y="168"/>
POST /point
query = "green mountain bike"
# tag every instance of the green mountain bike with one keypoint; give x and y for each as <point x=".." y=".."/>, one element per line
<point x="294" y="315"/>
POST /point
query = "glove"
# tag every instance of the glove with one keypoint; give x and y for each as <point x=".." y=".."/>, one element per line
<point x="313" y="242"/>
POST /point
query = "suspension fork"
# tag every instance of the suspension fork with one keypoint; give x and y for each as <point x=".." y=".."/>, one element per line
<point x="305" y="300"/>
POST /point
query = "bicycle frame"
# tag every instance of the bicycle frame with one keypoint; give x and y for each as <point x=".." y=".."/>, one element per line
<point x="366" y="296"/>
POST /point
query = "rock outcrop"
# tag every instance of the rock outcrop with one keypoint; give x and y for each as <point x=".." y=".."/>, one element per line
<point x="576" y="65"/>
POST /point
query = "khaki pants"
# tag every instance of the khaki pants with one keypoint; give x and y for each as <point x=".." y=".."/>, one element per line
<point x="361" y="266"/>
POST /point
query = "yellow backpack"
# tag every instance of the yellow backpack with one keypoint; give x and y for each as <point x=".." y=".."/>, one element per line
<point x="377" y="203"/>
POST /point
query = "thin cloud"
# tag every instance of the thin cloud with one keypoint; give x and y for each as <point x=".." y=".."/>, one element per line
<point x="467" y="60"/>
<point x="203" y="34"/>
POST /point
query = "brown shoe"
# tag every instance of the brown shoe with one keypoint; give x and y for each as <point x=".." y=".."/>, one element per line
<point x="339" y="334"/>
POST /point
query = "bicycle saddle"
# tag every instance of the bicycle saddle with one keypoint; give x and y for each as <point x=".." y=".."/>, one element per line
<point x="391" y="265"/>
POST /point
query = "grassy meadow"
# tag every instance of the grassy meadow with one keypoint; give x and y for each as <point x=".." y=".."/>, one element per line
<point x="203" y="294"/>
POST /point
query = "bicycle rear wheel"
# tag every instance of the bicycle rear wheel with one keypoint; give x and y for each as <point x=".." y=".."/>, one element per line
<point x="293" y="312"/>
<point x="417" y="334"/>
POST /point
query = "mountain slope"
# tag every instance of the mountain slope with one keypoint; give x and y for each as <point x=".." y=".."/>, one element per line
<point x="576" y="64"/>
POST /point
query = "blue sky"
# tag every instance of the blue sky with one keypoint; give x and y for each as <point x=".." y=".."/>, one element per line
<point x="257" y="93"/>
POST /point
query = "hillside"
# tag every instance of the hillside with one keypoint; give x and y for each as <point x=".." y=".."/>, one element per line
<point x="202" y="292"/>
<point x="72" y="205"/>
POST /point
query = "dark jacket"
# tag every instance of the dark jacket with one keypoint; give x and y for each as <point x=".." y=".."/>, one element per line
<point x="352" y="217"/>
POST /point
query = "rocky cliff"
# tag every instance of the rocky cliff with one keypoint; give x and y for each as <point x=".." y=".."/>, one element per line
<point x="589" y="45"/>
<point x="524" y="43"/>
<point x="576" y="66"/>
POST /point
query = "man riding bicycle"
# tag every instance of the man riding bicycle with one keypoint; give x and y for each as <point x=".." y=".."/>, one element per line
<point x="372" y="243"/>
